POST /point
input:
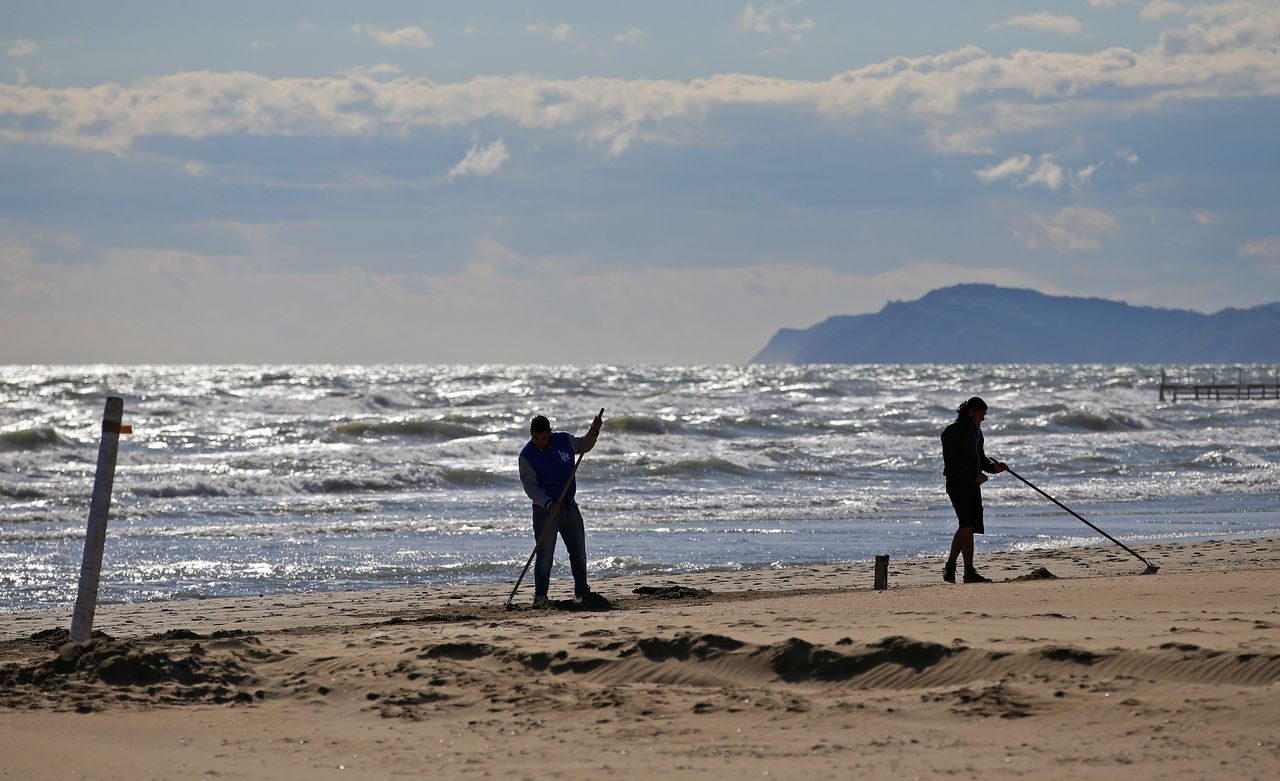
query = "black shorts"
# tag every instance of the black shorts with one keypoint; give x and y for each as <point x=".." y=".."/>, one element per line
<point x="967" y="499"/>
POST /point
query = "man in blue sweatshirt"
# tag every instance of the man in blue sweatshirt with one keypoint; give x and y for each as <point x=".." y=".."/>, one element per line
<point x="546" y="465"/>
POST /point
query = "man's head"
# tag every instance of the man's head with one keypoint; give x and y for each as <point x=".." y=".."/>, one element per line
<point x="975" y="409"/>
<point x="540" y="431"/>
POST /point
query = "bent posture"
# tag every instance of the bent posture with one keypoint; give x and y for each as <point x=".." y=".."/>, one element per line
<point x="963" y="464"/>
<point x="546" y="466"/>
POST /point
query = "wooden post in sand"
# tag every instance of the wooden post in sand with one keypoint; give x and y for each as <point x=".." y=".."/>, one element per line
<point x="96" y="535"/>
<point x="882" y="573"/>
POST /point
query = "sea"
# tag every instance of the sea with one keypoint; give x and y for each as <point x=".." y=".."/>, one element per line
<point x="256" y="480"/>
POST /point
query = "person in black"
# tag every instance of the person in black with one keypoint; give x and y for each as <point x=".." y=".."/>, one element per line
<point x="963" y="464"/>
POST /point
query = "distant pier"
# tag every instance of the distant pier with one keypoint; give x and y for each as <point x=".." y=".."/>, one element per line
<point x="1196" y="387"/>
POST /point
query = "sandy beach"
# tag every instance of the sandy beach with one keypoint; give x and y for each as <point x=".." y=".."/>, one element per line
<point x="790" y="673"/>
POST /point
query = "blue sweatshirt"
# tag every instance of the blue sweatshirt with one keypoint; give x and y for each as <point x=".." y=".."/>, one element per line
<point x="543" y="473"/>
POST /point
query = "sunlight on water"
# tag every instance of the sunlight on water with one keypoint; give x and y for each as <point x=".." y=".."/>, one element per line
<point x="256" y="479"/>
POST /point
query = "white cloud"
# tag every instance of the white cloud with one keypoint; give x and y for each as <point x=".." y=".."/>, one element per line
<point x="404" y="36"/>
<point x="963" y="100"/>
<point x="557" y="32"/>
<point x="1023" y="171"/>
<point x="194" y="168"/>
<point x="1043" y="21"/>
<point x="1245" y="25"/>
<point x="1266" y="248"/>
<point x="630" y="36"/>
<point x="19" y="272"/>
<point x="774" y="18"/>
<point x="1077" y="229"/>
<point x="1159" y="9"/>
<point x="481" y="161"/>
<point x="23" y="48"/>
<point x="335" y="314"/>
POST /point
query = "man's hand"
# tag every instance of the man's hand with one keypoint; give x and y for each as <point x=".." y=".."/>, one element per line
<point x="555" y="508"/>
<point x="980" y="479"/>
<point x="1001" y="466"/>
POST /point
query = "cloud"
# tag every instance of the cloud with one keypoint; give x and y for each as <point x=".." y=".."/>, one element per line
<point x="557" y="32"/>
<point x="964" y="100"/>
<point x="1245" y="26"/>
<point x="19" y="272"/>
<point x="630" y="36"/>
<point x="481" y="161"/>
<point x="1266" y="248"/>
<point x="404" y="36"/>
<point x="1076" y="229"/>
<point x="350" y="314"/>
<point x="773" y="18"/>
<point x="1045" y="22"/>
<point x="23" y="48"/>
<point x="1158" y="9"/>
<point x="381" y="69"/>
<point x="1023" y="171"/>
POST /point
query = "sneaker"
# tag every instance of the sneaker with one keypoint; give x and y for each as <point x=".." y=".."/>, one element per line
<point x="972" y="576"/>
<point x="541" y="602"/>
<point x="583" y="597"/>
<point x="949" y="572"/>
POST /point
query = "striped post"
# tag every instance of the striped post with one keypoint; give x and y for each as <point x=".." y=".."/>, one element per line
<point x="96" y="535"/>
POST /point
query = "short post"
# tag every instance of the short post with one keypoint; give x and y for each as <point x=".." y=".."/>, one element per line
<point x="96" y="535"/>
<point x="882" y="573"/>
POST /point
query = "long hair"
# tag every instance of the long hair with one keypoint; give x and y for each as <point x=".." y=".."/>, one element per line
<point x="972" y="403"/>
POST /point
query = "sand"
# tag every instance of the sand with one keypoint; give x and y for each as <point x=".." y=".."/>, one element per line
<point x="1073" y="664"/>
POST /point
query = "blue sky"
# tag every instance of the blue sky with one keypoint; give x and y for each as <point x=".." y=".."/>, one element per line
<point x="585" y="182"/>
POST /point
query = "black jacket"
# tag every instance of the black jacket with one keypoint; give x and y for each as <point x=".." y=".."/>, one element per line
<point x="962" y="454"/>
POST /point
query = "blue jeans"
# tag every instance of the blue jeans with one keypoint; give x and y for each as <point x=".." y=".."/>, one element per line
<point x="569" y="525"/>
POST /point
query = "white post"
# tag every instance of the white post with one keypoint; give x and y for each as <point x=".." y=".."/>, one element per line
<point x="96" y="535"/>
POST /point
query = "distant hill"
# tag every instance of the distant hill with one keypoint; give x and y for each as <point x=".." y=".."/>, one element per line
<point x="990" y="324"/>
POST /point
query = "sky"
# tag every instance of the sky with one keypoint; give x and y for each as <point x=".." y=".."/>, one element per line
<point x="585" y="182"/>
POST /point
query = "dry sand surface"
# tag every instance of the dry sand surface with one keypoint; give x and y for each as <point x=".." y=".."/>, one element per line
<point x="795" y="673"/>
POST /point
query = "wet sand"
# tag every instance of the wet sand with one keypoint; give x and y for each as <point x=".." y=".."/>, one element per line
<point x="794" y="673"/>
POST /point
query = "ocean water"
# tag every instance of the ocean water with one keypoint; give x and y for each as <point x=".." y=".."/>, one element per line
<point x="241" y="480"/>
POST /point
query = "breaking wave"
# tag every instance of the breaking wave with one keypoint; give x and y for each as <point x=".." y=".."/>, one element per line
<point x="422" y="429"/>
<point x="33" y="439"/>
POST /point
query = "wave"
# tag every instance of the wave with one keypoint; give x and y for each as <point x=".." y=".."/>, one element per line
<point x="473" y="477"/>
<point x="20" y="492"/>
<point x="1230" y="458"/>
<point x="423" y="429"/>
<point x="707" y="465"/>
<point x="29" y="439"/>
<point x="637" y="424"/>
<point x="196" y="488"/>
<point x="351" y="485"/>
<point x="1090" y="421"/>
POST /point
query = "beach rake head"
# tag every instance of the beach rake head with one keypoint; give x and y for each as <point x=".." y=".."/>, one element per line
<point x="1151" y="569"/>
